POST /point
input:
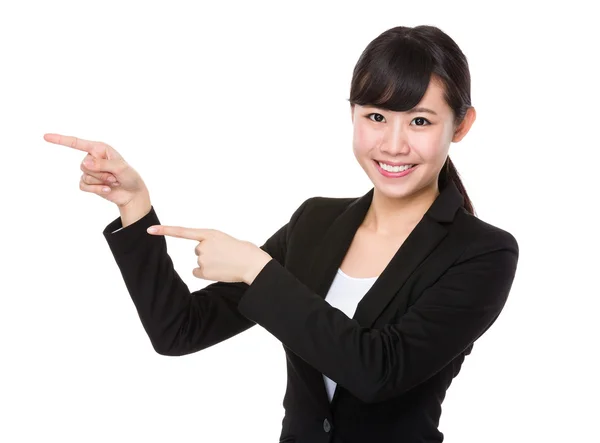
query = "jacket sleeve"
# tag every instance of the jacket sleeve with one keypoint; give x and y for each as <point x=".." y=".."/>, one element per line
<point x="176" y="320"/>
<point x="378" y="364"/>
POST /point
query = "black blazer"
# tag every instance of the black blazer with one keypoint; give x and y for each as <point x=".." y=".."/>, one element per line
<point x="392" y="362"/>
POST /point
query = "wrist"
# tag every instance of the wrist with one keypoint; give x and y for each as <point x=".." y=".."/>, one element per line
<point x="135" y="209"/>
<point x="257" y="266"/>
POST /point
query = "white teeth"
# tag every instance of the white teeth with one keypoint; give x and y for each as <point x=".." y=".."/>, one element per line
<point x="394" y="168"/>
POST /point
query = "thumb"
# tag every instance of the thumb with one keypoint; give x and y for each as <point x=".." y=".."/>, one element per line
<point x="103" y="150"/>
<point x="114" y="166"/>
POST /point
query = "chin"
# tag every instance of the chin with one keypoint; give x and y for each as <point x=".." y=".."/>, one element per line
<point x="398" y="190"/>
<point x="395" y="192"/>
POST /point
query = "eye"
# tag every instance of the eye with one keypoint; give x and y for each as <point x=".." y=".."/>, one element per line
<point x="423" y="119"/>
<point x="378" y="119"/>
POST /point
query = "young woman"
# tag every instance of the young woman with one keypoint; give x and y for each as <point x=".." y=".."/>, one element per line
<point x="377" y="299"/>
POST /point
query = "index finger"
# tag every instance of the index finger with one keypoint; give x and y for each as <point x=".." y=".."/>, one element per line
<point x="72" y="142"/>
<point x="179" y="231"/>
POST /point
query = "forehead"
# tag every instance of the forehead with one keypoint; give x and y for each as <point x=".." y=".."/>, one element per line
<point x="434" y="94"/>
<point x="434" y="98"/>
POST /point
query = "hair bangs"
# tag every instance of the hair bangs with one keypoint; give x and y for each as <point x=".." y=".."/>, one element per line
<point x="393" y="77"/>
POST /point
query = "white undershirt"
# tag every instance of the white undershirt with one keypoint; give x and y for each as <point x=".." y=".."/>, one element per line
<point x="345" y="293"/>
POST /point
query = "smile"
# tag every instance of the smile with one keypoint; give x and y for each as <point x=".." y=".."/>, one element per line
<point x="394" y="171"/>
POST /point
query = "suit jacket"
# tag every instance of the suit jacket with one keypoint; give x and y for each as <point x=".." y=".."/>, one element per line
<point x="392" y="362"/>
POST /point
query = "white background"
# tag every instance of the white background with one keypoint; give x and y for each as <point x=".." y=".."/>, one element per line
<point x="225" y="107"/>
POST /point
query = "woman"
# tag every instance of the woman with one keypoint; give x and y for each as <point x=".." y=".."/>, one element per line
<point x="376" y="299"/>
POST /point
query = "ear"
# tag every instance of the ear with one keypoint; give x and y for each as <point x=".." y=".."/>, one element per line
<point x="465" y="125"/>
<point x="352" y="112"/>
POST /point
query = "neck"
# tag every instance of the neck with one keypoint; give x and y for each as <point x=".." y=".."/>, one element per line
<point x="389" y="216"/>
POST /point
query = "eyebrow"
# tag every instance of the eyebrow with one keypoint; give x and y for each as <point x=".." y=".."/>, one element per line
<point x="410" y="111"/>
<point x="421" y="109"/>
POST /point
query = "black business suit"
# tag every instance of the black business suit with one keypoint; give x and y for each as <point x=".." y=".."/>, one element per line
<point x="392" y="362"/>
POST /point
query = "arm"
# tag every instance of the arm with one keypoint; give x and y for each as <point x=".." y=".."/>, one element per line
<point x="378" y="364"/>
<point x="179" y="322"/>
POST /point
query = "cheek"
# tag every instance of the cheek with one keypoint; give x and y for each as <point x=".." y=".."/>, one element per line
<point x="363" y="139"/>
<point x="430" y="145"/>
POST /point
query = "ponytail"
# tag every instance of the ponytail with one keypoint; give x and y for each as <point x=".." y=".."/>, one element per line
<point x="450" y="174"/>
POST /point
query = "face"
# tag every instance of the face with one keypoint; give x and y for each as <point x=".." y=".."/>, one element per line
<point x="416" y="137"/>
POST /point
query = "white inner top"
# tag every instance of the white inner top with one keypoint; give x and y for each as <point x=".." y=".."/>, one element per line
<point x="344" y="294"/>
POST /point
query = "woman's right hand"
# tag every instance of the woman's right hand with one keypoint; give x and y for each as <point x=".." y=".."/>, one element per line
<point x="108" y="170"/>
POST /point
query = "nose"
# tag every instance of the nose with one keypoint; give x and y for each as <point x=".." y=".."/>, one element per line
<point x="395" y="140"/>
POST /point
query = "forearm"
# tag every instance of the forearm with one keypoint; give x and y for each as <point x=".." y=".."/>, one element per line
<point x="177" y="322"/>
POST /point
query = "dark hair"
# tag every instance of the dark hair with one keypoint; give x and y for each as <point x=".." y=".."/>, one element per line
<point x="395" y="69"/>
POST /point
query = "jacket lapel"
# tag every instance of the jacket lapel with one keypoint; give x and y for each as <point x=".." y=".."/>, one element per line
<point x="423" y="239"/>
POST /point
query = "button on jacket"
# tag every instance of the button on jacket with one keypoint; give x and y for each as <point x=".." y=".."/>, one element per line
<point x="392" y="361"/>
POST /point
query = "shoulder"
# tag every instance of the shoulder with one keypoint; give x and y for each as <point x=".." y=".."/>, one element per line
<point x="481" y="237"/>
<point x="327" y="207"/>
<point x="318" y="213"/>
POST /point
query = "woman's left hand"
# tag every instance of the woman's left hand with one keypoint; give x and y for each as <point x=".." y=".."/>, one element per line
<point x="220" y="256"/>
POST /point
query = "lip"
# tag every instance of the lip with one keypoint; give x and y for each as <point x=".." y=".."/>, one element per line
<point x="394" y="174"/>
<point x="395" y="163"/>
